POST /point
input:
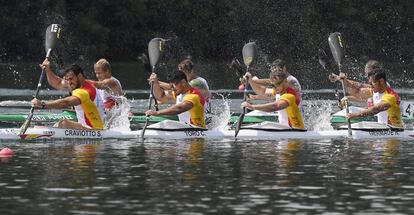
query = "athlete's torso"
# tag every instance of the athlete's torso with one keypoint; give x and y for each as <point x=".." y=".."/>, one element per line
<point x="90" y="112"/>
<point x="195" y="115"/>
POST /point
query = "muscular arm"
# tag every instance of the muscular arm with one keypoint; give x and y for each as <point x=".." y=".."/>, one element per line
<point x="269" y="107"/>
<point x="109" y="84"/>
<point x="62" y="103"/>
<point x="162" y="95"/>
<point x="382" y="106"/>
<point x="54" y="80"/>
<point x="176" y="109"/>
<point x="353" y="87"/>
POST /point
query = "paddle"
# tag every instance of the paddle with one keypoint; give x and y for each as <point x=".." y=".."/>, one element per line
<point x="337" y="48"/>
<point x="249" y="52"/>
<point x="324" y="62"/>
<point x="155" y="50"/>
<point x="52" y="35"/>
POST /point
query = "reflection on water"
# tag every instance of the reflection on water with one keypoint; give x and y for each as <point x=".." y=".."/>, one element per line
<point x="338" y="176"/>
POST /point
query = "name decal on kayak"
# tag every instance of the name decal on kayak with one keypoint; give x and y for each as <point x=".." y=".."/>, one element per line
<point x="83" y="133"/>
<point x="384" y="133"/>
<point x="194" y="133"/>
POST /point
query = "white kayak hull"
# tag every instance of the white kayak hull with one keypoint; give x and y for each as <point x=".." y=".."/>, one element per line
<point x="276" y="135"/>
<point x="60" y="133"/>
<point x="175" y="130"/>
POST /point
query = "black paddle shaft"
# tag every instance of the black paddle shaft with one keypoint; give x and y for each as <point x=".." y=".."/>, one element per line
<point x="249" y="53"/>
<point x="52" y="36"/>
<point x="336" y="45"/>
<point x="156" y="48"/>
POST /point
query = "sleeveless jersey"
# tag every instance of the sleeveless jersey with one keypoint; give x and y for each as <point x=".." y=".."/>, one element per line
<point x="90" y="112"/>
<point x="195" y="115"/>
<point x="201" y="84"/>
<point x="392" y="116"/>
<point x="291" y="115"/>
<point x="108" y="100"/>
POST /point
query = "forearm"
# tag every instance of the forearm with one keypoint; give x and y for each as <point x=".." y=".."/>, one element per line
<point x="353" y="87"/>
<point x="173" y="110"/>
<point x="257" y="88"/>
<point x="270" y="107"/>
<point x="57" y="104"/>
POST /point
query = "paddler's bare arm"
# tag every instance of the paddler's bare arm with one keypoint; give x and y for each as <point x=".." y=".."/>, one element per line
<point x="57" y="104"/>
<point x="258" y="88"/>
<point x="109" y="84"/>
<point x="54" y="80"/>
<point x="269" y="107"/>
<point x="173" y="110"/>
<point x="352" y="88"/>
<point x="382" y="106"/>
<point x="160" y="94"/>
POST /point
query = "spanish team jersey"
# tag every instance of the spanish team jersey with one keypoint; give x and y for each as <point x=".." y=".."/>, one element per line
<point x="90" y="112"/>
<point x="291" y="115"/>
<point x="392" y="116"/>
<point x="201" y="84"/>
<point x="195" y="115"/>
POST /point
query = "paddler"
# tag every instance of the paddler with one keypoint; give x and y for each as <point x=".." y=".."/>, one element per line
<point x="386" y="103"/>
<point x="108" y="86"/>
<point x="277" y="65"/>
<point x="353" y="87"/>
<point x="189" y="101"/>
<point x="84" y="96"/>
<point x="187" y="67"/>
<point x="287" y="103"/>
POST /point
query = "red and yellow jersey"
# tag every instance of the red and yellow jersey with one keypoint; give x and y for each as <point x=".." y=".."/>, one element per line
<point x="195" y="115"/>
<point x="90" y="112"/>
<point x="291" y="115"/>
<point x="392" y="115"/>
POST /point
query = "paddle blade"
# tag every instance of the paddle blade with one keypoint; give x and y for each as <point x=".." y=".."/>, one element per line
<point x="52" y="36"/>
<point x="156" y="48"/>
<point x="336" y="45"/>
<point x="323" y="59"/>
<point x="249" y="53"/>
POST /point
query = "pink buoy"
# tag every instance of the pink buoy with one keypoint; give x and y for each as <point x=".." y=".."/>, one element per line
<point x="241" y="87"/>
<point x="6" y="152"/>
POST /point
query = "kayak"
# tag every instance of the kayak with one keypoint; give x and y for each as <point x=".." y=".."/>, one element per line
<point x="339" y="119"/>
<point x="9" y="120"/>
<point x="170" y="129"/>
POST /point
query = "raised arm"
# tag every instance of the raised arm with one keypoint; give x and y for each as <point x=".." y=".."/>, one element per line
<point x="110" y="85"/>
<point x="354" y="88"/>
<point x="160" y="94"/>
<point x="54" y="80"/>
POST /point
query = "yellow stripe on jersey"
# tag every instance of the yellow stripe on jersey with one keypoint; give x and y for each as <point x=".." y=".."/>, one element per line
<point x="293" y="112"/>
<point x="394" y="112"/>
<point x="197" y="111"/>
<point x="92" y="115"/>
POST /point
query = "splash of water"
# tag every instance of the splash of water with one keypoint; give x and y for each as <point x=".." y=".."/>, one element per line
<point x="318" y="114"/>
<point x="117" y="117"/>
<point x="220" y="114"/>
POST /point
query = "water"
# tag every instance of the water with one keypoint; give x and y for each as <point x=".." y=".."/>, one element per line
<point x="326" y="176"/>
<point x="209" y="177"/>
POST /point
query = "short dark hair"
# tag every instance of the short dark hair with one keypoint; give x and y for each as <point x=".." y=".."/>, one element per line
<point x="76" y="69"/>
<point x="177" y="76"/>
<point x="278" y="63"/>
<point x="378" y="74"/>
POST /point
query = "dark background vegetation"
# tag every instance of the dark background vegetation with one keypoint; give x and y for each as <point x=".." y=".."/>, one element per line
<point x="211" y="31"/>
